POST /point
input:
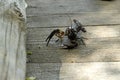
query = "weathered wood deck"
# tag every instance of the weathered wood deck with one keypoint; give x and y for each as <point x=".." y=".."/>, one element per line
<point x="99" y="60"/>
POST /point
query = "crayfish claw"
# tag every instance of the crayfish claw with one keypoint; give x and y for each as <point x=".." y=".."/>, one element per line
<point x="51" y="35"/>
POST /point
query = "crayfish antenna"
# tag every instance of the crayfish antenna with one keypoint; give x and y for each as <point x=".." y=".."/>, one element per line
<point x="51" y="35"/>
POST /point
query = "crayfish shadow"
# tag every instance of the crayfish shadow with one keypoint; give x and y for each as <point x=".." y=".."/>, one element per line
<point x="82" y="51"/>
<point x="72" y="48"/>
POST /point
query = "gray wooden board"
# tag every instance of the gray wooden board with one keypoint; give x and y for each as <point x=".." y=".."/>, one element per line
<point x="103" y="49"/>
<point x="63" y="6"/>
<point x="40" y="34"/>
<point x="47" y="20"/>
<point x="100" y="42"/>
<point x="91" y="43"/>
<point x="102" y="52"/>
<point x="75" y="71"/>
<point x="75" y="56"/>
<point x="89" y="12"/>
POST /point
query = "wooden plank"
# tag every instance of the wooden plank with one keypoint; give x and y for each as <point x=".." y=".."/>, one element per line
<point x="89" y="12"/>
<point x="90" y="71"/>
<point x="75" y="55"/>
<point x="94" y="43"/>
<point x="95" y="50"/>
<point x="43" y="71"/>
<point x="40" y="34"/>
<point x="47" y="20"/>
<point x="75" y="71"/>
<point x="64" y="6"/>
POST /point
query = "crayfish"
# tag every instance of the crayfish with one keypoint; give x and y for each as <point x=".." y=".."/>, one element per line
<point x="71" y="37"/>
